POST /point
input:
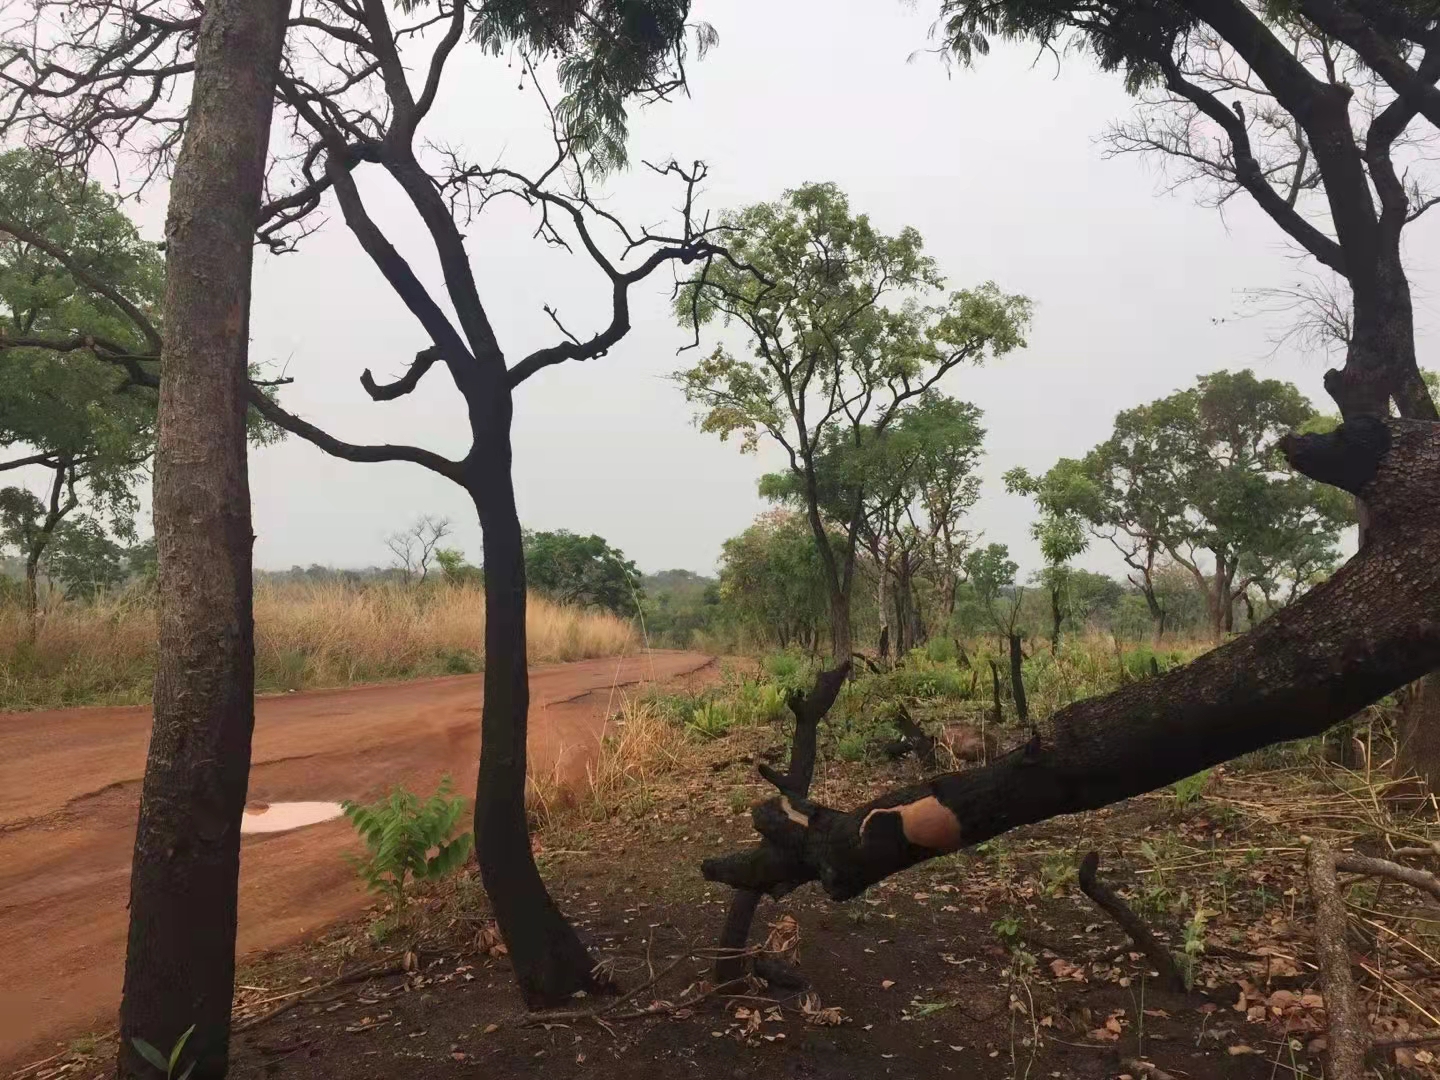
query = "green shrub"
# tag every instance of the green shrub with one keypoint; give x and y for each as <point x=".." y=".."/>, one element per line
<point x="710" y="720"/>
<point x="1191" y="788"/>
<point x="400" y="832"/>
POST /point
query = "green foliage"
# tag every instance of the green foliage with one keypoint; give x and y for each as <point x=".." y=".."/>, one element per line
<point x="678" y="606"/>
<point x="166" y="1064"/>
<point x="850" y="331"/>
<point x="1007" y="929"/>
<point x="606" y="52"/>
<point x="1198" y="476"/>
<point x="400" y="832"/>
<point x="710" y="720"/>
<point x="772" y="581"/>
<point x="455" y="570"/>
<point x="1190" y="789"/>
<point x="582" y="570"/>
<point x="94" y="430"/>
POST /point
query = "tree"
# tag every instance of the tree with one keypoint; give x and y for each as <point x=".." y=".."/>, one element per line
<point x="772" y="580"/>
<point x="417" y="546"/>
<point x="455" y="569"/>
<point x="846" y="326"/>
<point x="914" y="481"/>
<point x="1198" y="477"/>
<point x="361" y="106"/>
<point x="582" y="570"/>
<point x="992" y="575"/>
<point x="1061" y="536"/>
<point x="74" y="415"/>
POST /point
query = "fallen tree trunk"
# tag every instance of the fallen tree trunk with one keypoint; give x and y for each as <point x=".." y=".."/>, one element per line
<point x="1373" y="627"/>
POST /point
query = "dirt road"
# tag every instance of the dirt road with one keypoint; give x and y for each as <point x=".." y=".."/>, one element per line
<point x="69" y="794"/>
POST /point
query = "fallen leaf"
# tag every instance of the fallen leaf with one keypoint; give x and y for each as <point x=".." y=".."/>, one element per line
<point x="886" y="984"/>
<point x="1241" y="1048"/>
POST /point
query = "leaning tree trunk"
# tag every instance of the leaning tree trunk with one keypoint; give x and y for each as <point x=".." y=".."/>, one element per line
<point x="1371" y="628"/>
<point x="180" y="958"/>
<point x="550" y="962"/>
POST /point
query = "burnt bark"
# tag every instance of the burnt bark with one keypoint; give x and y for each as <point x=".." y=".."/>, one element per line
<point x="997" y="715"/>
<point x="1367" y="631"/>
<point x="551" y="963"/>
<point x="809" y="710"/>
<point x="1017" y="679"/>
<point x="180" y="958"/>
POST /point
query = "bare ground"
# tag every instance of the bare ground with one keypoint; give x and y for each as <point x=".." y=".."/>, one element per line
<point x="69" y="788"/>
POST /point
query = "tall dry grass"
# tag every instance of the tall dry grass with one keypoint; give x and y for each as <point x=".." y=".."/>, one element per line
<point x="307" y="635"/>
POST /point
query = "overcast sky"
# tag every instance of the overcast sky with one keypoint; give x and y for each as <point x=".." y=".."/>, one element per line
<point x="1136" y="292"/>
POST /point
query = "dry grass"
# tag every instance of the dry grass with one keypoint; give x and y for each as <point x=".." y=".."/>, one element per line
<point x="639" y="750"/>
<point x="307" y="635"/>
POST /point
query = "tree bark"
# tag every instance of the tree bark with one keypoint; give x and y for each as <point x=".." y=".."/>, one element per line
<point x="1418" y="750"/>
<point x="180" y="959"/>
<point x="551" y="963"/>
<point x="1368" y="630"/>
<point x="1017" y="679"/>
<point x="1057" y="617"/>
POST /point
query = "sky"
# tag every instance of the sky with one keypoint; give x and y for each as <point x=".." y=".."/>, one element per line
<point x="1137" y="291"/>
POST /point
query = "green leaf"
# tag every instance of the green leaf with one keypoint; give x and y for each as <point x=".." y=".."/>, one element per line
<point x="150" y="1054"/>
<point x="179" y="1046"/>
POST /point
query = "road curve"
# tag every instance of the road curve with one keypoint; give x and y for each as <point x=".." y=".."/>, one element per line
<point x="69" y="794"/>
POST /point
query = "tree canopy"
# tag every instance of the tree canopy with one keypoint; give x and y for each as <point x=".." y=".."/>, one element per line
<point x="845" y="326"/>
<point x="62" y="407"/>
<point x="582" y="570"/>
<point x="1199" y="477"/>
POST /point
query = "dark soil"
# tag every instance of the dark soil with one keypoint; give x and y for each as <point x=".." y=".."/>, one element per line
<point x="987" y="964"/>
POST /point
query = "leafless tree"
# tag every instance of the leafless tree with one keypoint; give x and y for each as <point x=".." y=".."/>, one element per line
<point x="415" y="547"/>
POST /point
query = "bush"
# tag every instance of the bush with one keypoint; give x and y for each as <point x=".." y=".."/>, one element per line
<point x="400" y="831"/>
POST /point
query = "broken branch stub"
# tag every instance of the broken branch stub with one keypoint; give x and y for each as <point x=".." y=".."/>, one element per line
<point x="809" y="710"/>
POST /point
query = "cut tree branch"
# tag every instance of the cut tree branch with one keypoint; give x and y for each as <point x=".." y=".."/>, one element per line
<point x="424" y="361"/>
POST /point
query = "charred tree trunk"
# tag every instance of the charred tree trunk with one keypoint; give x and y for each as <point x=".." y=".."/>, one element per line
<point x="997" y="716"/>
<point x="550" y="962"/>
<point x="1057" y="618"/>
<point x="840" y="641"/>
<point x="1367" y="631"/>
<point x="809" y="711"/>
<point x="1017" y="679"/>
<point x="180" y="958"/>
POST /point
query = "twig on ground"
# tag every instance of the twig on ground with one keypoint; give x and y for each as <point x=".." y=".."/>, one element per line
<point x="1108" y="901"/>
<point x="1371" y="867"/>
<point x="377" y="969"/>
<point x="1348" y="1038"/>
<point x="1144" y="1068"/>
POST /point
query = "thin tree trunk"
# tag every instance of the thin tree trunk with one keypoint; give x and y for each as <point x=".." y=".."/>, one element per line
<point x="180" y="959"/>
<point x="840" y="641"/>
<point x="1017" y="679"/>
<point x="550" y="962"/>
<point x="32" y="597"/>
<point x="1057" y="616"/>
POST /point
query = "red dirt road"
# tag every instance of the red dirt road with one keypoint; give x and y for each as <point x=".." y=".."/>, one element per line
<point x="69" y="795"/>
